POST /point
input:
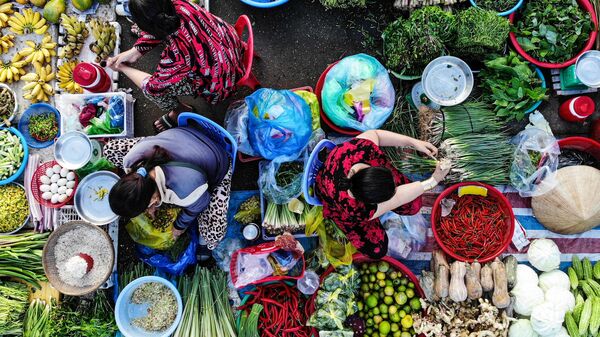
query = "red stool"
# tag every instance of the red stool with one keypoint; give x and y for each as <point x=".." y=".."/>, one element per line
<point x="248" y="79"/>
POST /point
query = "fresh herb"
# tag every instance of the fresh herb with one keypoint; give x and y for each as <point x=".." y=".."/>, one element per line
<point x="13" y="303"/>
<point x="133" y="272"/>
<point x="14" y="208"/>
<point x="21" y="257"/>
<point x="37" y="319"/>
<point x="553" y="30"/>
<point x="497" y="5"/>
<point x="480" y="32"/>
<point x="279" y="218"/>
<point x="329" y="4"/>
<point x="288" y="172"/>
<point x="43" y="127"/>
<point x="83" y="317"/>
<point x="249" y="322"/>
<point x="249" y="211"/>
<point x="511" y="85"/>
<point x="7" y="104"/>
<point x="404" y="118"/>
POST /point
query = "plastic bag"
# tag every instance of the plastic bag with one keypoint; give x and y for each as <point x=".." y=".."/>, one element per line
<point x="405" y="233"/>
<point x="100" y="165"/>
<point x="338" y="252"/>
<point x="165" y="263"/>
<point x="313" y="103"/>
<point x="533" y="170"/>
<point x="224" y="250"/>
<point x="279" y="124"/>
<point x="116" y="112"/>
<point x="267" y="182"/>
<point x="154" y="233"/>
<point x="236" y="123"/>
<point x="358" y="93"/>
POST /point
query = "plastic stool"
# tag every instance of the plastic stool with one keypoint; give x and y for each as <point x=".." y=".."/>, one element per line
<point x="248" y="80"/>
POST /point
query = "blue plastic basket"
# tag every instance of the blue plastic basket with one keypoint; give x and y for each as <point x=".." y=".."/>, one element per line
<point x="25" y="157"/>
<point x="505" y="13"/>
<point x="264" y="3"/>
<point x="537" y="104"/>
<point x="33" y="110"/>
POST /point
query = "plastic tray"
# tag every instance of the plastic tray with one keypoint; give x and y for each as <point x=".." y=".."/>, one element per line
<point x="64" y="103"/>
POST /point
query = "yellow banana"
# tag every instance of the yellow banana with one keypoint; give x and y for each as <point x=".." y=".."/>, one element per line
<point x="27" y="22"/>
<point x="65" y="78"/>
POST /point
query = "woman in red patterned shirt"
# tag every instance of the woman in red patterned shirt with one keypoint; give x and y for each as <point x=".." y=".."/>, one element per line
<point x="202" y="55"/>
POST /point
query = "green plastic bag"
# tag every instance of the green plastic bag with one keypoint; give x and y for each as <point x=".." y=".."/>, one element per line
<point x="154" y="233"/>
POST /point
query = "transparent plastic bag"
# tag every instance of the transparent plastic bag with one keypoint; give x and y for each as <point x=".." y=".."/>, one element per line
<point x="224" y="250"/>
<point x="405" y="233"/>
<point x="267" y="182"/>
<point x="279" y="123"/>
<point x="236" y="123"/>
<point x="533" y="170"/>
<point x="358" y="93"/>
<point x="154" y="233"/>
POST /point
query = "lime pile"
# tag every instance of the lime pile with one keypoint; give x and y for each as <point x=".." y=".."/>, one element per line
<point x="387" y="300"/>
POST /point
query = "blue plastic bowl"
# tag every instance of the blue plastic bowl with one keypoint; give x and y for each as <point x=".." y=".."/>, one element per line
<point x="266" y="3"/>
<point x="36" y="109"/>
<point x="25" y="157"/>
<point x="508" y="12"/>
<point x="537" y="104"/>
<point x="125" y="311"/>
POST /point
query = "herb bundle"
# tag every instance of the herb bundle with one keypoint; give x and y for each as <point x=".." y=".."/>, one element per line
<point x="81" y="317"/>
<point x="553" y="30"/>
<point x="43" y="127"/>
<point x="480" y="32"/>
<point x="511" y="84"/>
<point x="37" y="319"/>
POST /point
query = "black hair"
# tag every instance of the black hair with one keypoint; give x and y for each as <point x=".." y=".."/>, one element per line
<point x="372" y="185"/>
<point x="156" y="17"/>
<point x="131" y="195"/>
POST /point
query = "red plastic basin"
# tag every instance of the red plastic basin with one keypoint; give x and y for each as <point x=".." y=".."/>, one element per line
<point x="583" y="144"/>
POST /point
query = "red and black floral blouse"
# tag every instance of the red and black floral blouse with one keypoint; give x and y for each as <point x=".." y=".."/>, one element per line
<point x="351" y="215"/>
<point x="203" y="57"/>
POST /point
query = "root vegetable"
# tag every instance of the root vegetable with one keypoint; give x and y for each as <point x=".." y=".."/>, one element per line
<point x="474" y="289"/>
<point x="441" y="269"/>
<point x="510" y="263"/>
<point x="500" y="297"/>
<point x="458" y="290"/>
<point x="487" y="281"/>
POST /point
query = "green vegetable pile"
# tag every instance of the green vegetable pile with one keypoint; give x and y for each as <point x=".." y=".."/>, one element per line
<point x="37" y="319"/>
<point x="462" y="119"/>
<point x="13" y="304"/>
<point x="480" y="32"/>
<point x="584" y="320"/>
<point x="11" y="151"/>
<point x="21" y="257"/>
<point x="497" y="5"/>
<point x="14" y="208"/>
<point x="553" y="30"/>
<point x="249" y="211"/>
<point x="329" y="4"/>
<point x="511" y="85"/>
<point x="43" y="127"/>
<point x="83" y="317"/>
<point x="388" y="301"/>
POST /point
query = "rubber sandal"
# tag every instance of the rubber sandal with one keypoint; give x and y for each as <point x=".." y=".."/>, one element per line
<point x="166" y="122"/>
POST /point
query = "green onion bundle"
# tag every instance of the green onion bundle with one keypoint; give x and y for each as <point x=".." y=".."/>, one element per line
<point x="21" y="257"/>
<point x="36" y="323"/>
<point x="404" y="118"/>
<point x="13" y="303"/>
<point x="135" y="271"/>
<point x="466" y="118"/>
<point x="249" y="322"/>
<point x="190" y="321"/>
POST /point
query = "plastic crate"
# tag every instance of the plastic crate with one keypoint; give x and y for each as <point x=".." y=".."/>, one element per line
<point x="65" y="102"/>
<point x="68" y="214"/>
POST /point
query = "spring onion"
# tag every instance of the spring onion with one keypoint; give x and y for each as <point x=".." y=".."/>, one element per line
<point x="249" y="322"/>
<point x="21" y="257"/>
<point x="466" y="118"/>
<point x="37" y="319"/>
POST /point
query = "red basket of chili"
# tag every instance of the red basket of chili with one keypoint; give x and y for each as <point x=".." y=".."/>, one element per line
<point x="477" y="228"/>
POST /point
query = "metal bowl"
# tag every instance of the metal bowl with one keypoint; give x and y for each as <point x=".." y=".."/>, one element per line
<point x="26" y="219"/>
<point x="73" y="150"/>
<point x="87" y="203"/>
<point x="14" y="113"/>
<point x="447" y="81"/>
<point x="587" y="68"/>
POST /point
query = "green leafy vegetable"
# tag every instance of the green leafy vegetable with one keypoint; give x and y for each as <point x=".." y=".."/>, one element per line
<point x="37" y="319"/>
<point x="497" y="5"/>
<point x="343" y="3"/>
<point x="21" y="257"/>
<point x="81" y="317"/>
<point x="553" y="30"/>
<point x="480" y="32"/>
<point x="43" y="127"/>
<point x="13" y="303"/>
<point x="511" y="85"/>
<point x="249" y="211"/>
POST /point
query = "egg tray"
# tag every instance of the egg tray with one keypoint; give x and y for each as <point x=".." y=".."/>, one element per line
<point x="35" y="186"/>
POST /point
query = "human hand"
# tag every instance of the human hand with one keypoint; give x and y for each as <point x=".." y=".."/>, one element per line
<point x="441" y="170"/>
<point x="129" y="56"/>
<point x="425" y="147"/>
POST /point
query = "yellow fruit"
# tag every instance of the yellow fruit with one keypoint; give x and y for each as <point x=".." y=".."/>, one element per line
<point x="37" y="87"/>
<point x="27" y="22"/>
<point x="65" y="78"/>
<point x="38" y="3"/>
<point x="54" y="9"/>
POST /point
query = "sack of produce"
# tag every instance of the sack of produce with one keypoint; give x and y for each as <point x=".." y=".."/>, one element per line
<point x="157" y="232"/>
<point x="279" y="123"/>
<point x="533" y="170"/>
<point x="358" y="93"/>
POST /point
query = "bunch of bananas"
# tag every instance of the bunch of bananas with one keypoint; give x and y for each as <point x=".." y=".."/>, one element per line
<point x="39" y="52"/>
<point x="38" y="88"/>
<point x="6" y="41"/>
<point x="106" y="37"/>
<point x="65" y="78"/>
<point x="5" y="11"/>
<point x="12" y="70"/>
<point x="28" y="22"/>
<point x="76" y="33"/>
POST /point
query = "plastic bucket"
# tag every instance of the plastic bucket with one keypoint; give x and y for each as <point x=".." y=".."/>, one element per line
<point x="125" y="311"/>
<point x="264" y="3"/>
<point x="504" y="205"/>
<point x="324" y="118"/>
<point x="582" y="144"/>
<point x="505" y="13"/>
<point x="587" y="6"/>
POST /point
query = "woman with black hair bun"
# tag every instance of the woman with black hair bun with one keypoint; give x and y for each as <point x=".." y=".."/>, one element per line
<point x="202" y="55"/>
<point x="358" y="184"/>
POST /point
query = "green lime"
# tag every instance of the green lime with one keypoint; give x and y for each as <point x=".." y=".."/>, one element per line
<point x="402" y="288"/>
<point x="395" y="317"/>
<point x="376" y="311"/>
<point x="371" y="301"/>
<point x="360" y="305"/>
<point x="388" y="300"/>
<point x="397" y="334"/>
<point x="411" y="285"/>
<point x="388" y="283"/>
<point x="383" y="308"/>
<point x="407" y="321"/>
<point x="395" y="327"/>
<point x="381" y="276"/>
<point x="384" y="328"/>
<point x="393" y="275"/>
<point x="404" y="281"/>
<point x="396" y="282"/>
<point x="407" y="309"/>
<point x="392" y="309"/>
<point x="370" y="322"/>
<point x="372" y="278"/>
<point x="369" y="331"/>
<point x="415" y="304"/>
<point x="389" y="291"/>
<point x="400" y="298"/>
<point x="405" y="334"/>
<point x="381" y="283"/>
<point x="401" y="313"/>
<point x="410" y="293"/>
<point x="364" y="287"/>
<point x="373" y="268"/>
<point x="377" y="319"/>
<point x="384" y="266"/>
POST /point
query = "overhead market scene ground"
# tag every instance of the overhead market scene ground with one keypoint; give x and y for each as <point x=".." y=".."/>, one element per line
<point x="279" y="168"/>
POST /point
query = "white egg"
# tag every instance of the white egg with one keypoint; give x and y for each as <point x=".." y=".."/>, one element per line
<point x="62" y="182"/>
<point x="49" y="172"/>
<point x="71" y="176"/>
<point x="70" y="184"/>
<point x="54" y="188"/>
<point x="62" y="190"/>
<point x="56" y="168"/>
<point x="47" y="195"/>
<point x="55" y="178"/>
<point x="63" y="172"/>
<point x="62" y="198"/>
<point x="45" y="180"/>
<point x="54" y="198"/>
<point x="44" y="188"/>
<point x="69" y="191"/>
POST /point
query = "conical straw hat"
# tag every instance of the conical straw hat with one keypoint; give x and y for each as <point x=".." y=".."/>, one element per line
<point x="573" y="206"/>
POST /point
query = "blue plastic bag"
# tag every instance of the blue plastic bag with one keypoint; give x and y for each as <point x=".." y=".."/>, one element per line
<point x="116" y="111"/>
<point x="279" y="124"/>
<point x="163" y="262"/>
<point x="358" y="93"/>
